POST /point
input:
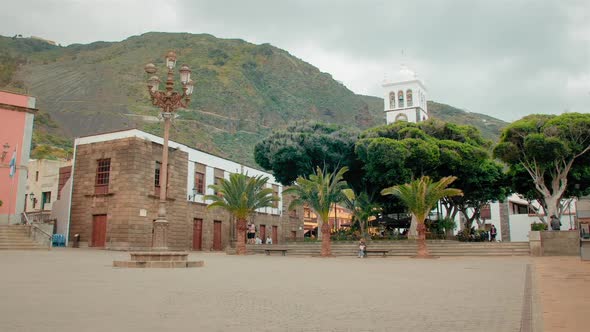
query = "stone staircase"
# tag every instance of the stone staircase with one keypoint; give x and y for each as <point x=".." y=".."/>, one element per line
<point x="406" y="248"/>
<point x="16" y="237"/>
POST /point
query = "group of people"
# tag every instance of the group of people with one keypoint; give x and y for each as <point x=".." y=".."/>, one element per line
<point x="253" y="238"/>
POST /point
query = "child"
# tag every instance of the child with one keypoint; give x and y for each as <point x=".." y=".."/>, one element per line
<point x="362" y="249"/>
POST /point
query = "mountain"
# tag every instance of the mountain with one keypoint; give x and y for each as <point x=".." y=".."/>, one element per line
<point x="242" y="91"/>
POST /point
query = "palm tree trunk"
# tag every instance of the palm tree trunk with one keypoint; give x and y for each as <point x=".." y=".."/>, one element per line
<point x="422" y="249"/>
<point x="362" y="224"/>
<point x="326" y="241"/>
<point x="412" y="232"/>
<point x="241" y="232"/>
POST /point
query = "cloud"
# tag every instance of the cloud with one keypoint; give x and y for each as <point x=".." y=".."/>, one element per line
<point x="502" y="58"/>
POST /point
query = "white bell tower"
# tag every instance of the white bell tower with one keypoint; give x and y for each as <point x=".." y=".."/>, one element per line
<point x="405" y="98"/>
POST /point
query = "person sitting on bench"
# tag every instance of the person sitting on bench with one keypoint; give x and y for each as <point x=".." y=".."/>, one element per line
<point x="362" y="249"/>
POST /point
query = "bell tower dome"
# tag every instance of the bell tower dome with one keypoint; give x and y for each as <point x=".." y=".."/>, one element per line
<point x="405" y="97"/>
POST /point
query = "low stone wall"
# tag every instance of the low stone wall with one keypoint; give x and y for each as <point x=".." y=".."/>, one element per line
<point x="561" y="243"/>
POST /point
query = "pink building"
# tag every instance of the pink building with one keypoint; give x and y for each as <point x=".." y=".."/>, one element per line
<point x="16" y="129"/>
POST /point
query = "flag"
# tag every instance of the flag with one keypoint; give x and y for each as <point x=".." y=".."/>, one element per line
<point x="13" y="163"/>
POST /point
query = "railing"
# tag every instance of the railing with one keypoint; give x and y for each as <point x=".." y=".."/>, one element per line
<point x="40" y="236"/>
<point x="36" y="233"/>
<point x="36" y="216"/>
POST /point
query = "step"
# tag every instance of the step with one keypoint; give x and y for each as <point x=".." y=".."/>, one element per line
<point x="24" y="248"/>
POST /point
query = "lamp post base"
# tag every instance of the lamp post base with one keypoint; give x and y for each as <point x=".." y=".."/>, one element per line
<point x="160" y="238"/>
<point x="152" y="259"/>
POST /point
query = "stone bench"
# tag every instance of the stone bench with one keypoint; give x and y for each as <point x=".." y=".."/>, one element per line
<point x="282" y="250"/>
<point x="376" y="251"/>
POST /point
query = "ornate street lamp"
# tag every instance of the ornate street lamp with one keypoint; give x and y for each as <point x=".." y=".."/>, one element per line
<point x="169" y="101"/>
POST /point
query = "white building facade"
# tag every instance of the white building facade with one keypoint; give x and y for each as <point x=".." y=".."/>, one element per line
<point x="405" y="98"/>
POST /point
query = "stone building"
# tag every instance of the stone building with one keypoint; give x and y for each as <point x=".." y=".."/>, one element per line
<point x="43" y="184"/>
<point x="115" y="195"/>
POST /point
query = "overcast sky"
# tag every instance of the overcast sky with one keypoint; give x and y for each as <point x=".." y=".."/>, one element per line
<point x="502" y="58"/>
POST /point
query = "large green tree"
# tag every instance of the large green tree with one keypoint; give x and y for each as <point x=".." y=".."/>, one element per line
<point x="300" y="148"/>
<point x="241" y="196"/>
<point x="402" y="151"/>
<point x="420" y="196"/>
<point x="549" y="149"/>
<point x="319" y="191"/>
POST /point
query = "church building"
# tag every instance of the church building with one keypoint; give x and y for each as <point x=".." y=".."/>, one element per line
<point x="405" y="98"/>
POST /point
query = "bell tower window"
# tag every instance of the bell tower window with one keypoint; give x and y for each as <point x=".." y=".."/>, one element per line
<point x="400" y="98"/>
<point x="409" y="98"/>
<point x="392" y="100"/>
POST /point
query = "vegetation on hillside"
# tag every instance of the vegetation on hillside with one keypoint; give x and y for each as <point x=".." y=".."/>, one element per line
<point x="243" y="91"/>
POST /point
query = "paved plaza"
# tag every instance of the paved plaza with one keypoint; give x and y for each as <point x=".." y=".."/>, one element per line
<point x="564" y="293"/>
<point x="78" y="290"/>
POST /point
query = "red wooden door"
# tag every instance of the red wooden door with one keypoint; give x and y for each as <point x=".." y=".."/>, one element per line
<point x="99" y="230"/>
<point x="275" y="235"/>
<point x="263" y="233"/>
<point x="293" y="235"/>
<point x="198" y="234"/>
<point x="217" y="235"/>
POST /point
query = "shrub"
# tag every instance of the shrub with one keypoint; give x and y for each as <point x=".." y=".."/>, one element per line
<point x="472" y="235"/>
<point x="345" y="235"/>
<point x="538" y="226"/>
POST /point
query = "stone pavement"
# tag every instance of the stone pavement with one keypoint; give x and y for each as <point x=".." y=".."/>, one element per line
<point x="79" y="290"/>
<point x="564" y="293"/>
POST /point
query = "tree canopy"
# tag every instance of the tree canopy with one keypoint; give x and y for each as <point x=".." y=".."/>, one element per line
<point x="402" y="151"/>
<point x="552" y="150"/>
<point x="300" y="148"/>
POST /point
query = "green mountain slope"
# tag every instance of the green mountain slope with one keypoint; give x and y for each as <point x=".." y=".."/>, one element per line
<point x="242" y="90"/>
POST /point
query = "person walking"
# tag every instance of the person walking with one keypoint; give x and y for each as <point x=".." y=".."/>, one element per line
<point x="493" y="233"/>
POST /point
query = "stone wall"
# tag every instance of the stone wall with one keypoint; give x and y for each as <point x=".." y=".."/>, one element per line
<point x="560" y="243"/>
<point x="131" y="203"/>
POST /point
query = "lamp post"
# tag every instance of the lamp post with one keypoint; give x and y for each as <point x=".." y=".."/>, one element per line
<point x="169" y="101"/>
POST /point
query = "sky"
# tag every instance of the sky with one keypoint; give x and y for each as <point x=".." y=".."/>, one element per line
<point x="502" y="58"/>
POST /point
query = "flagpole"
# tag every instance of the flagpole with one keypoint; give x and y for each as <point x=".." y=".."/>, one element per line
<point x="12" y="175"/>
<point x="10" y="198"/>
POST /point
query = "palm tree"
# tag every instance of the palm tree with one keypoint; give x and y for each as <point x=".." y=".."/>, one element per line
<point x="362" y="207"/>
<point x="241" y="196"/>
<point x="320" y="191"/>
<point x="420" y="196"/>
